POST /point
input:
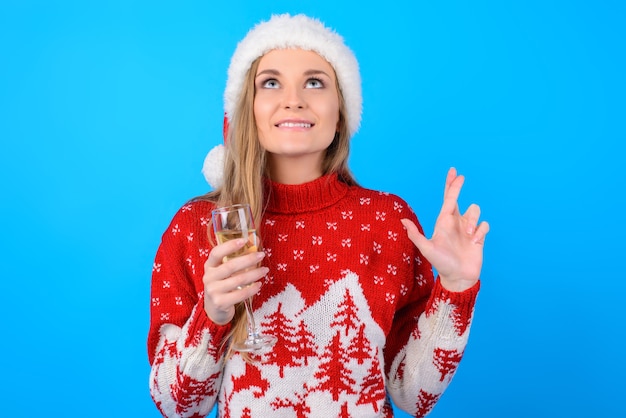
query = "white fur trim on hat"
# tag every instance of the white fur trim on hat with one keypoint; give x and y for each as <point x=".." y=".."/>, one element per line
<point x="299" y="31"/>
<point x="213" y="167"/>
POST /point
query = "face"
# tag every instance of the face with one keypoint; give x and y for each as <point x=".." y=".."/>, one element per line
<point x="296" y="105"/>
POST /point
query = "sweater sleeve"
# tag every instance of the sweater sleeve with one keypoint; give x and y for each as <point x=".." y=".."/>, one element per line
<point x="427" y="340"/>
<point x="184" y="345"/>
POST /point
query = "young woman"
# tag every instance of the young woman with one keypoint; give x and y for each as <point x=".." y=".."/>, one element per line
<point x="344" y="279"/>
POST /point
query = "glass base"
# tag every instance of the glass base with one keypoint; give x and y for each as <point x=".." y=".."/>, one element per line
<point x="256" y="343"/>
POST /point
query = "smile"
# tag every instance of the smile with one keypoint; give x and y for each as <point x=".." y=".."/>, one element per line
<point x="294" y="125"/>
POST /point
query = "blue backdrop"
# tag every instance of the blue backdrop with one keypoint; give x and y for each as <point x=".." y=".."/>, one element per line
<point x="107" y="110"/>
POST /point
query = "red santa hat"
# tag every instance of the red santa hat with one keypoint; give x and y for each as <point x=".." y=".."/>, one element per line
<point x="283" y="32"/>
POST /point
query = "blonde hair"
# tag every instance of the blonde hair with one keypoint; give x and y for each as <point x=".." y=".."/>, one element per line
<point x="246" y="165"/>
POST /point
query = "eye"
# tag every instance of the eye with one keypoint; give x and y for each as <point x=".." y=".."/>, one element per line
<point x="270" y="83"/>
<point x="314" y="83"/>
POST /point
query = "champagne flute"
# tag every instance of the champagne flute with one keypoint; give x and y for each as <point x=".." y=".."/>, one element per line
<point x="234" y="222"/>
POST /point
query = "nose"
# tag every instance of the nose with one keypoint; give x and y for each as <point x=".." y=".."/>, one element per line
<point x="292" y="98"/>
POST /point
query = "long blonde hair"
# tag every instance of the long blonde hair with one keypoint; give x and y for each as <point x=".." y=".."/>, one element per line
<point x="246" y="164"/>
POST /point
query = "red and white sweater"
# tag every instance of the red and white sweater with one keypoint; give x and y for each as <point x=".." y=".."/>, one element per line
<point x="358" y="315"/>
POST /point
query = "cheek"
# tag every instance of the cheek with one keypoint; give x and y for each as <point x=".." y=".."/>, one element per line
<point x="333" y="115"/>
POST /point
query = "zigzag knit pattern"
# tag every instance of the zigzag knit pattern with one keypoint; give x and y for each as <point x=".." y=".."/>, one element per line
<point x="360" y="320"/>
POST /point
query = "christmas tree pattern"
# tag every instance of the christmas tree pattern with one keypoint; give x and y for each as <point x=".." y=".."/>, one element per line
<point x="295" y="343"/>
<point x="333" y="374"/>
<point x="360" y="347"/>
<point x="373" y="387"/>
<point x="348" y="366"/>
<point x="425" y="402"/>
<point x="446" y="361"/>
<point x="347" y="317"/>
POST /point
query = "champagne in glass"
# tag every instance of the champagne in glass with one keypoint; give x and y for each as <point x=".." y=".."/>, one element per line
<point x="234" y="222"/>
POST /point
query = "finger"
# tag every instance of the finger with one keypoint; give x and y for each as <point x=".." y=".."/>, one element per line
<point x="241" y="263"/>
<point x="471" y="216"/>
<point x="449" y="178"/>
<point x="450" y="200"/>
<point x="481" y="233"/>
<point x="244" y="280"/>
<point x="217" y="254"/>
<point x="421" y="242"/>
<point x="236" y="282"/>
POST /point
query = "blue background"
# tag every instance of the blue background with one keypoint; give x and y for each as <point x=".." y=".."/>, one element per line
<point x="107" y="111"/>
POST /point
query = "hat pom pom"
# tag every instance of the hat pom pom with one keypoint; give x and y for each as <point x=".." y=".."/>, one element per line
<point x="213" y="167"/>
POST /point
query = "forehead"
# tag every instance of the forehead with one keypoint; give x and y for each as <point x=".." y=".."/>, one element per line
<point x="296" y="60"/>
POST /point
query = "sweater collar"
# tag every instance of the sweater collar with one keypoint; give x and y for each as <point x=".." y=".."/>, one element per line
<point x="317" y="194"/>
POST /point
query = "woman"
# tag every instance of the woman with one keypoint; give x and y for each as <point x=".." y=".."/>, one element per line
<point x="344" y="280"/>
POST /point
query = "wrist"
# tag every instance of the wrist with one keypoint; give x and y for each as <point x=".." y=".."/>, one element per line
<point x="458" y="285"/>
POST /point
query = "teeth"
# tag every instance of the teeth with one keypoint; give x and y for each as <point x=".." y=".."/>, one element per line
<point x="295" y="125"/>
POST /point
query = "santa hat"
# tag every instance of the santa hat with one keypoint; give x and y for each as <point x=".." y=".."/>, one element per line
<point x="283" y="32"/>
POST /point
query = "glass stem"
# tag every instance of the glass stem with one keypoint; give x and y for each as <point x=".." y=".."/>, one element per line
<point x="252" y="331"/>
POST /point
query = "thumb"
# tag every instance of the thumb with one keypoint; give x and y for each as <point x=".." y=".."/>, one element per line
<point x="420" y="241"/>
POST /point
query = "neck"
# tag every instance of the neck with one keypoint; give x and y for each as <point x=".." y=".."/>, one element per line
<point x="294" y="170"/>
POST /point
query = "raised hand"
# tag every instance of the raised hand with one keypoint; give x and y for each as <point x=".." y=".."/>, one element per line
<point x="456" y="247"/>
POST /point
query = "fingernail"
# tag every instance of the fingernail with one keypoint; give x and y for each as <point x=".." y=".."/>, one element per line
<point x="260" y="255"/>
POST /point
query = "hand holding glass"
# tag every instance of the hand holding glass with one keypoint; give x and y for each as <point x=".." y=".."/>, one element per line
<point x="234" y="222"/>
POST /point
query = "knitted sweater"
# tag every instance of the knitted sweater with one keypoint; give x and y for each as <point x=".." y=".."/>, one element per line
<point x="358" y="315"/>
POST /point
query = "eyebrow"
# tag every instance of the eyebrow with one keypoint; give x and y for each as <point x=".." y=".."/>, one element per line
<point x="271" y="71"/>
